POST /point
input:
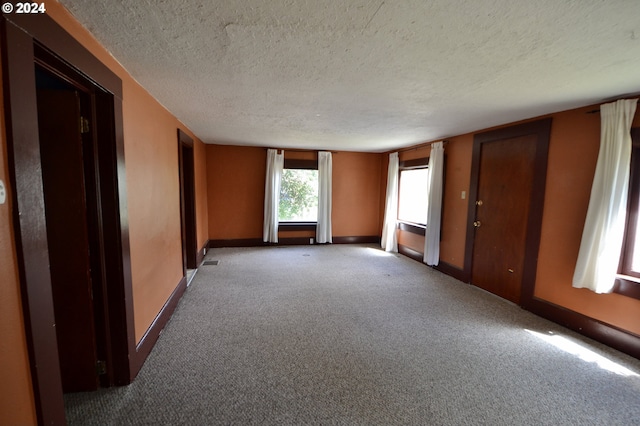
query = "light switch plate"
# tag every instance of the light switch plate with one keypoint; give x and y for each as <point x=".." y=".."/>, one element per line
<point x="3" y="192"/>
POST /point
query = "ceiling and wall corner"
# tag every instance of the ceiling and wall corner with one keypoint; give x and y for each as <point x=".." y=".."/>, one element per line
<point x="367" y="75"/>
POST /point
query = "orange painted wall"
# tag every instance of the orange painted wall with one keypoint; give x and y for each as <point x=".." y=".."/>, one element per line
<point x="16" y="395"/>
<point x="235" y="183"/>
<point x="202" y="206"/>
<point x="356" y="194"/>
<point x="151" y="159"/>
<point x="411" y="240"/>
<point x="573" y="150"/>
<point x="454" y="213"/>
<point x="575" y="139"/>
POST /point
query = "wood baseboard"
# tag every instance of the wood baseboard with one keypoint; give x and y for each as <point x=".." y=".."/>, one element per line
<point x="243" y="242"/>
<point x="608" y="334"/>
<point x="411" y="253"/>
<point x="256" y="242"/>
<point x="200" y="254"/>
<point x="367" y="239"/>
<point x="146" y="344"/>
<point x="443" y="267"/>
<point x="453" y="271"/>
<point x="612" y="336"/>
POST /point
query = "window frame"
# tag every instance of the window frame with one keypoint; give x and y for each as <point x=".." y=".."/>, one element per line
<point x="292" y="163"/>
<point x="628" y="281"/>
<point x="404" y="225"/>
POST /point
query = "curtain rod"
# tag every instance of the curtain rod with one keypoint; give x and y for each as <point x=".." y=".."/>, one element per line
<point x="611" y="100"/>
<point x="422" y="145"/>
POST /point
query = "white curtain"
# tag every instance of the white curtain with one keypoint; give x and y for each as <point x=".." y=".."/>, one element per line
<point x="603" y="233"/>
<point x="434" y="206"/>
<point x="275" y="164"/>
<point x="389" y="240"/>
<point x="323" y="228"/>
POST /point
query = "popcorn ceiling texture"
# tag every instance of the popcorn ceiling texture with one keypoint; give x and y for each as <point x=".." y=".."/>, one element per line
<point x="367" y="75"/>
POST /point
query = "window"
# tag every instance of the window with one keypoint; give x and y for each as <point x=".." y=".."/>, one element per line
<point x="412" y="194"/>
<point x="629" y="270"/>
<point x="299" y="192"/>
<point x="412" y="204"/>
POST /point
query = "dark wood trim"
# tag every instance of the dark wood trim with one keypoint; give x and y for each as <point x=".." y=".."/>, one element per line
<point x="45" y="30"/>
<point x="294" y="241"/>
<point x="292" y="163"/>
<point x="452" y="271"/>
<point x="297" y="226"/>
<point x="201" y="253"/>
<point x="366" y="239"/>
<point x="23" y="153"/>
<point x="20" y="36"/>
<point x="185" y="138"/>
<point x="605" y="333"/>
<point x="410" y="227"/>
<point x="242" y="242"/>
<point x="631" y="287"/>
<point x="121" y="294"/>
<point x="256" y="242"/>
<point x="541" y="128"/>
<point x="186" y="171"/>
<point x="411" y="253"/>
<point x="627" y="288"/>
<point x="414" y="163"/>
<point x="443" y="267"/>
<point x="144" y="347"/>
<point x="635" y="137"/>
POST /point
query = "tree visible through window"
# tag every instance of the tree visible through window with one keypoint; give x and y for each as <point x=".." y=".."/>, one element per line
<point x="298" y="196"/>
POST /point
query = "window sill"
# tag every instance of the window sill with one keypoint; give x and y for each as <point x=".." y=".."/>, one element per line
<point x="627" y="286"/>
<point x="297" y="226"/>
<point x="414" y="228"/>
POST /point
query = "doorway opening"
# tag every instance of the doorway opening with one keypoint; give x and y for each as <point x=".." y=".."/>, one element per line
<point x="187" y="205"/>
<point x="69" y="211"/>
<point x="67" y="157"/>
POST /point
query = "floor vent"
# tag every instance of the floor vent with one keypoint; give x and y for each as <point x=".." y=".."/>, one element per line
<point x="210" y="262"/>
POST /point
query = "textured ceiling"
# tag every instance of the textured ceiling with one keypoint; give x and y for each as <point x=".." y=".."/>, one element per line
<point x="367" y="75"/>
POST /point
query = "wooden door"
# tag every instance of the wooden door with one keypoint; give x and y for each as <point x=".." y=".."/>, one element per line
<point x="501" y="215"/>
<point x="63" y="174"/>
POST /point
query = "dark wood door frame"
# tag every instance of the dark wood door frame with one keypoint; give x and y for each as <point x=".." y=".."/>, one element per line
<point x="187" y="201"/>
<point x="542" y="129"/>
<point x="23" y="37"/>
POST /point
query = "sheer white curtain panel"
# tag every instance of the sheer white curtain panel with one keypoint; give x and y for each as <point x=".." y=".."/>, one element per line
<point x="275" y="165"/>
<point x="434" y="206"/>
<point x="604" y="226"/>
<point x="389" y="241"/>
<point x="325" y="171"/>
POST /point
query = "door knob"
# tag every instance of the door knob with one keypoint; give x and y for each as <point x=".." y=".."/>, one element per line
<point x="477" y="224"/>
<point x="479" y="203"/>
